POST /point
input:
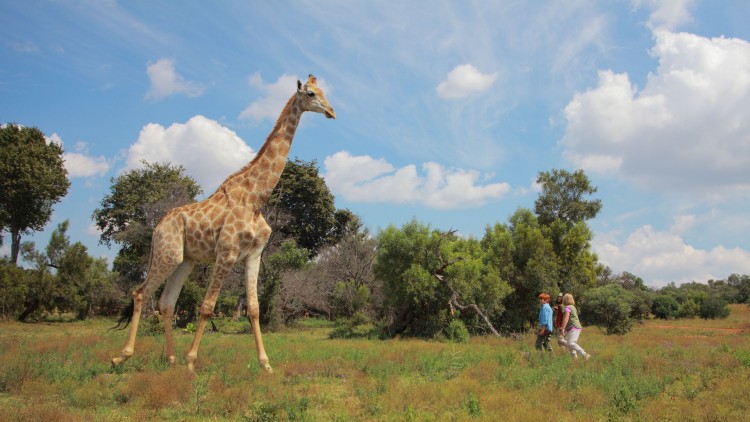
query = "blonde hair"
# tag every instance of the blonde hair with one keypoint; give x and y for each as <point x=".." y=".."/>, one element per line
<point x="568" y="299"/>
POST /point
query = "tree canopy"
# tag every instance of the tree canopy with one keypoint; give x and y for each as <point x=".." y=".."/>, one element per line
<point x="301" y="208"/>
<point x="562" y="197"/>
<point x="32" y="179"/>
<point x="137" y="201"/>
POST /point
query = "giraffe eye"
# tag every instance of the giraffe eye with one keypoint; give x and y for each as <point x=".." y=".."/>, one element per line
<point x="310" y="94"/>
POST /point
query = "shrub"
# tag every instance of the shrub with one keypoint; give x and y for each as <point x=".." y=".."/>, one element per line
<point x="610" y="307"/>
<point x="714" y="307"/>
<point x="665" y="307"/>
<point x="688" y="309"/>
<point x="456" y="332"/>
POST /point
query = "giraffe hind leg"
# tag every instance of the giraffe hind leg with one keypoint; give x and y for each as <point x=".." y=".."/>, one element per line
<point x="144" y="291"/>
<point x="167" y="303"/>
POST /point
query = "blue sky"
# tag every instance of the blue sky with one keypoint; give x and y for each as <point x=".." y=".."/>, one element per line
<point x="446" y="110"/>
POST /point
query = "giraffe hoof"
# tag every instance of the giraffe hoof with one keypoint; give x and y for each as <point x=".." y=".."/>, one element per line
<point x="171" y="360"/>
<point x="116" y="362"/>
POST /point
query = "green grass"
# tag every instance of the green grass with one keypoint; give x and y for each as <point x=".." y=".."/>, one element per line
<point x="61" y="372"/>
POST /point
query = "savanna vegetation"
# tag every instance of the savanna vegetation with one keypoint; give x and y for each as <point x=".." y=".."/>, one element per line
<point x="686" y="370"/>
<point x="460" y="308"/>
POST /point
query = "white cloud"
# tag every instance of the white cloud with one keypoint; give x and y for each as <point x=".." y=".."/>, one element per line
<point x="667" y="14"/>
<point x="80" y="163"/>
<point x="365" y="179"/>
<point x="663" y="257"/>
<point x="208" y="151"/>
<point x="165" y="81"/>
<point x="688" y="129"/>
<point x="465" y="80"/>
<point x="275" y="96"/>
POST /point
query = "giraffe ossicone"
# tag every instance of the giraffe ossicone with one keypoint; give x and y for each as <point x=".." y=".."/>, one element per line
<point x="224" y="229"/>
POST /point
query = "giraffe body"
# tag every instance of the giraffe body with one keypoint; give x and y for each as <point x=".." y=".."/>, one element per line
<point x="224" y="229"/>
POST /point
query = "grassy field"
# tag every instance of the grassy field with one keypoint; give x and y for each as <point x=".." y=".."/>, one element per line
<point x="688" y="370"/>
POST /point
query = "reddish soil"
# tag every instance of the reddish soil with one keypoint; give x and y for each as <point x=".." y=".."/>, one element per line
<point x="724" y="330"/>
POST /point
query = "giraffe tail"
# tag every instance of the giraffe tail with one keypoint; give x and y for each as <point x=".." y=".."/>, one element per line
<point x="125" y="317"/>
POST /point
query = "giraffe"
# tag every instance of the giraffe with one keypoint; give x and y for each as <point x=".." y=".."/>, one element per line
<point x="224" y="229"/>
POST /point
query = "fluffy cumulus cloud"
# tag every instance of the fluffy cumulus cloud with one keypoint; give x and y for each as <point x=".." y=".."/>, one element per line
<point x="465" y="80"/>
<point x="274" y="96"/>
<point x="79" y="163"/>
<point x="166" y="82"/>
<point x="661" y="257"/>
<point x="82" y="165"/>
<point x="688" y="129"/>
<point x="365" y="179"/>
<point x="208" y="151"/>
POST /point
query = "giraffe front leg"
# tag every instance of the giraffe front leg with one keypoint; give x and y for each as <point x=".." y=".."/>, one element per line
<point x="253" y="309"/>
<point x="168" y="337"/>
<point x="222" y="268"/>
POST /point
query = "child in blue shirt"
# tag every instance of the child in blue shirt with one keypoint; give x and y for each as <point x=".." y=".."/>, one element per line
<point x="545" y="324"/>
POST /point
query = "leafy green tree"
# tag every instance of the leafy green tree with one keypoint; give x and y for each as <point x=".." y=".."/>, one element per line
<point x="714" y="307"/>
<point x="742" y="284"/>
<point x="610" y="307"/>
<point x="41" y="283"/>
<point x="68" y="279"/>
<point x="32" y="179"/>
<point x="562" y="210"/>
<point x="689" y="309"/>
<point x="137" y="201"/>
<point x="562" y="197"/>
<point x="430" y="277"/>
<point x="665" y="306"/>
<point x="13" y="288"/>
<point x="301" y="208"/>
<point x="523" y="256"/>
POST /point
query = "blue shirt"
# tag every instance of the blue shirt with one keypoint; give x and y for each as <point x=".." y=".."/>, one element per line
<point x="545" y="316"/>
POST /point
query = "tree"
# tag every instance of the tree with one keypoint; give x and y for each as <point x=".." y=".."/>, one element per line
<point x="276" y="309"/>
<point x="742" y="284"/>
<point x="137" y="201"/>
<point x="609" y="307"/>
<point x="301" y="208"/>
<point x="665" y="307"/>
<point x="32" y="179"/>
<point x="432" y="277"/>
<point x="523" y="256"/>
<point x="562" y="197"/>
<point x="66" y="278"/>
<point x="714" y="307"/>
<point x="346" y="272"/>
<point x="13" y="287"/>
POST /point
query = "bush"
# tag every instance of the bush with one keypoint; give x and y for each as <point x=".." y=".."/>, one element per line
<point x="665" y="307"/>
<point x="456" y="332"/>
<point x="688" y="309"/>
<point x="714" y="307"/>
<point x="610" y="307"/>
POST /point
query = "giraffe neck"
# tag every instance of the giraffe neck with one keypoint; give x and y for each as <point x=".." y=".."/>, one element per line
<point x="255" y="182"/>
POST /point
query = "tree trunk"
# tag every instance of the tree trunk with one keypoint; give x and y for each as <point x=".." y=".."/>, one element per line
<point x="15" y="244"/>
<point x="30" y="308"/>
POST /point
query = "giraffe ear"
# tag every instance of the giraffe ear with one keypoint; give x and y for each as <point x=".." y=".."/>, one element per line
<point x="299" y="85"/>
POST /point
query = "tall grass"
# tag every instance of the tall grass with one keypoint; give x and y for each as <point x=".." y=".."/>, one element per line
<point x="62" y="372"/>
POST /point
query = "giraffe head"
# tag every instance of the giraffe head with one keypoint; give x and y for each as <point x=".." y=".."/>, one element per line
<point x="312" y="98"/>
